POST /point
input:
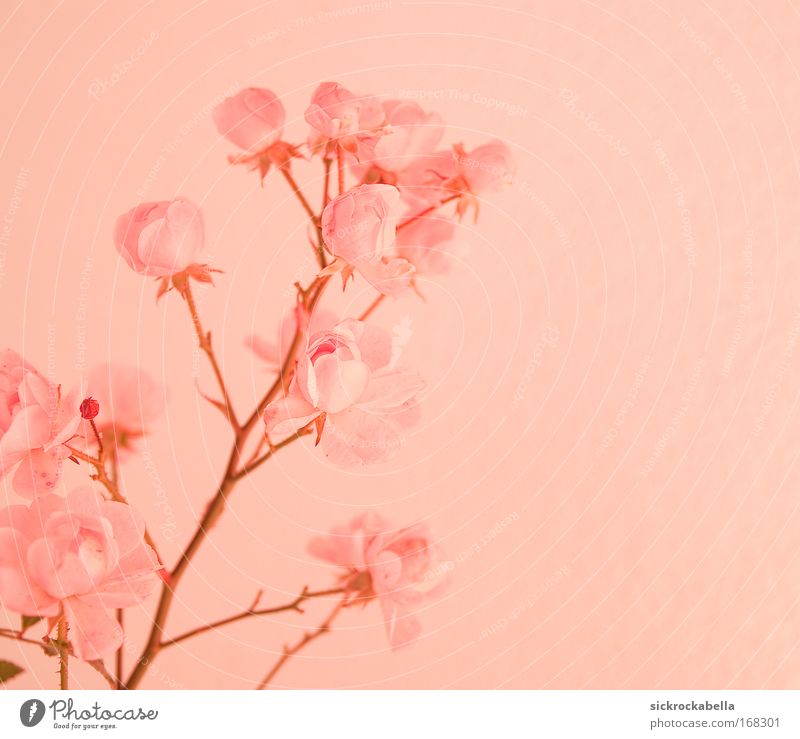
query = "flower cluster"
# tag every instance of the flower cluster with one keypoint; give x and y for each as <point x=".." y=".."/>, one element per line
<point x="398" y="195"/>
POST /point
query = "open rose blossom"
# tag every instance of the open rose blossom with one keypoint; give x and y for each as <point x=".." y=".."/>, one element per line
<point x="359" y="227"/>
<point x="81" y="555"/>
<point x="340" y="118"/>
<point x="130" y="401"/>
<point x="411" y="132"/>
<point x="160" y="239"/>
<point x="36" y="421"/>
<point x="252" y="119"/>
<point x="347" y="382"/>
<point x="403" y="568"/>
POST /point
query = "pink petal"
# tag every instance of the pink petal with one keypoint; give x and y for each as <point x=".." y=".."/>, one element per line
<point x="374" y="343"/>
<point x="60" y="573"/>
<point x="93" y="630"/>
<point x="334" y="384"/>
<point x="39" y="472"/>
<point x="18" y="591"/>
<point x="390" y="390"/>
<point x="289" y="414"/>
<point x="355" y="437"/>
<point x="401" y="627"/>
<point x="30" y="428"/>
<point x="391" y="277"/>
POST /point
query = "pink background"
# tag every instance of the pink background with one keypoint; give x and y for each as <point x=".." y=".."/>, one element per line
<point x="609" y="446"/>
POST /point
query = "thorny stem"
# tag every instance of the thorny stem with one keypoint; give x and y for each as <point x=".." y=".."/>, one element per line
<point x="253" y="611"/>
<point x="120" y="656"/>
<point x="217" y="505"/>
<point x="308" y="637"/>
<point x="204" y="340"/>
<point x="326" y="183"/>
<point x="297" y="191"/>
<point x="63" y="654"/>
<point x="310" y="212"/>
<point x="340" y="168"/>
<point x="49" y="648"/>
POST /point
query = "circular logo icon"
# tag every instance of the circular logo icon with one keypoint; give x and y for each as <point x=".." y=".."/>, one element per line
<point x="32" y="712"/>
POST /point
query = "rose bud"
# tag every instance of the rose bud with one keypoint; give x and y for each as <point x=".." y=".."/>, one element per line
<point x="89" y="409"/>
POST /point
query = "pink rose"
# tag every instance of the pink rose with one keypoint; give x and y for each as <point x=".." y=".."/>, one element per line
<point x="160" y="239"/>
<point x="403" y="568"/>
<point x="341" y="118"/>
<point x="252" y="119"/>
<point x="82" y="554"/>
<point x="130" y="401"/>
<point x="411" y="132"/>
<point x="358" y="227"/>
<point x="346" y="380"/>
<point x="486" y="168"/>
<point x="36" y="421"/>
<point x="430" y="244"/>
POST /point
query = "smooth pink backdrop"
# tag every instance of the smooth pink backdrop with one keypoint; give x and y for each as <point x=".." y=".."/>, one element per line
<point x="609" y="446"/>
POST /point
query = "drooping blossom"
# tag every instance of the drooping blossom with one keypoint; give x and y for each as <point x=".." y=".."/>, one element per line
<point x="79" y="555"/>
<point x="486" y="168"/>
<point x="273" y="353"/>
<point x="130" y="401"/>
<point x="402" y="568"/>
<point x="436" y="178"/>
<point x="410" y="133"/>
<point x="162" y="239"/>
<point x="430" y="244"/>
<point x="348" y="382"/>
<point x="253" y="120"/>
<point x="339" y="118"/>
<point x="358" y="227"/>
<point x="36" y="421"/>
<point x="427" y="181"/>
